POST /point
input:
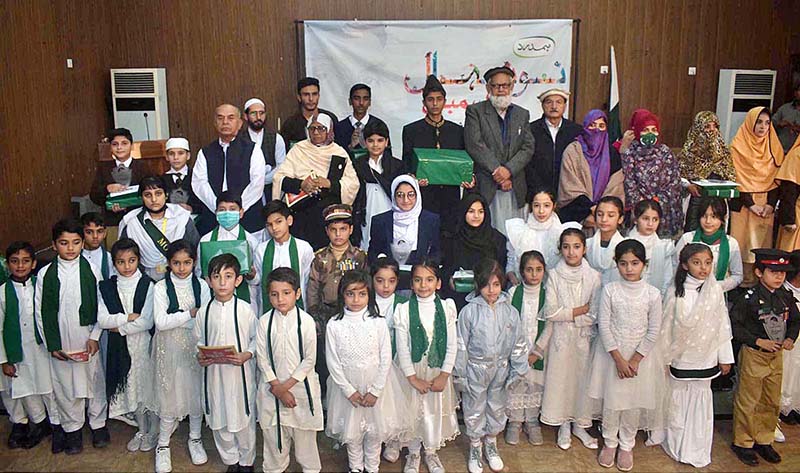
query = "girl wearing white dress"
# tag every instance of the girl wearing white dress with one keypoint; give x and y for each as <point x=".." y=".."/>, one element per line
<point x="540" y="232"/>
<point x="711" y="231"/>
<point x="660" y="251"/>
<point x="608" y="216"/>
<point x="365" y="405"/>
<point x="179" y="378"/>
<point x="525" y="400"/>
<point x="571" y="303"/>
<point x="627" y="372"/>
<point x="125" y="309"/>
<point x="696" y="340"/>
<point x="425" y="330"/>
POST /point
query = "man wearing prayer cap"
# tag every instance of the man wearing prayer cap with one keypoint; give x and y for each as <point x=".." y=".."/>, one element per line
<point x="178" y="179"/>
<point x="551" y="134"/>
<point x="233" y="164"/>
<point x="499" y="140"/>
<point x="271" y="143"/>
<point x="294" y="128"/>
<point x="433" y="131"/>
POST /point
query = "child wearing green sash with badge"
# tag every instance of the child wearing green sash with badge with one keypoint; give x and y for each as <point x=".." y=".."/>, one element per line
<point x="525" y="399"/>
<point x="231" y="237"/>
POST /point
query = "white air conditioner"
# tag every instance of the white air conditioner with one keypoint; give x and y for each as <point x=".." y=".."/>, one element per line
<point x="139" y="99"/>
<point x="739" y="91"/>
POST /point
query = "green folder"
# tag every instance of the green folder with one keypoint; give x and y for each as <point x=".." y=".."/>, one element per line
<point x="442" y="167"/>
<point x="238" y="248"/>
<point x="464" y="281"/>
<point x="125" y="201"/>
<point x="723" y="193"/>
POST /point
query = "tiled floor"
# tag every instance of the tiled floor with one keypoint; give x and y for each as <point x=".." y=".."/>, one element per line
<point x="522" y="458"/>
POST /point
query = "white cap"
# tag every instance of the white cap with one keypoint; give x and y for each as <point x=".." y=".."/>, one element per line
<point x="253" y="101"/>
<point x="182" y="143"/>
<point x="549" y="92"/>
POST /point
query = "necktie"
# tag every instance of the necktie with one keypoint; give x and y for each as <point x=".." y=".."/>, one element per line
<point x="178" y="179"/>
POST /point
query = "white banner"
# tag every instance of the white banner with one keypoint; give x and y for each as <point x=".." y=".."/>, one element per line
<point x="395" y="57"/>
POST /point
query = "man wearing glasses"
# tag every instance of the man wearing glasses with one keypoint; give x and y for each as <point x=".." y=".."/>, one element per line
<point x="270" y="142"/>
<point x="498" y="138"/>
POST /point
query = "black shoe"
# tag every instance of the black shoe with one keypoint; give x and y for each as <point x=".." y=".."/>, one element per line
<point x="745" y="455"/>
<point x="794" y="415"/>
<point x="16" y="439"/>
<point x="59" y="440"/>
<point x="37" y="433"/>
<point x="767" y="453"/>
<point x="788" y="420"/>
<point x="247" y="469"/>
<point x="74" y="442"/>
<point x="100" y="437"/>
<point x="234" y="468"/>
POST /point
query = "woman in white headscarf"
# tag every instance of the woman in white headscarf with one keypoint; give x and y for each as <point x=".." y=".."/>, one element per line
<point x="315" y="174"/>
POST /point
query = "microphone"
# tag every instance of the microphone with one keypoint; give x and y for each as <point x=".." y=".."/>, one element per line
<point x="146" y="126"/>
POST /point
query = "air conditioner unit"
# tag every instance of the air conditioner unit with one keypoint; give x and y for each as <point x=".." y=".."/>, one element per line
<point x="139" y="99"/>
<point x="739" y="91"/>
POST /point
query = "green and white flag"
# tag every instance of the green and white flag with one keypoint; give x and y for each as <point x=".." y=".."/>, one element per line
<point x="614" y="128"/>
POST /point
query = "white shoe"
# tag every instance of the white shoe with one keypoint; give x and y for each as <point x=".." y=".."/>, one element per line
<point x="433" y="463"/>
<point x="475" y="465"/>
<point x="391" y="452"/>
<point x="163" y="460"/>
<point x="779" y="437"/>
<point x="149" y="442"/>
<point x="587" y="440"/>
<point x="412" y="463"/>
<point x="197" y="452"/>
<point x="493" y="456"/>
<point x="564" y="437"/>
<point x="135" y="444"/>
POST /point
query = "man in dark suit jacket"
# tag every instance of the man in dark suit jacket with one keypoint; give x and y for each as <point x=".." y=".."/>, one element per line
<point x="348" y="133"/>
<point x="115" y="175"/>
<point x="270" y="142"/>
<point x="544" y="170"/>
<point x="498" y="138"/>
<point x="294" y="127"/>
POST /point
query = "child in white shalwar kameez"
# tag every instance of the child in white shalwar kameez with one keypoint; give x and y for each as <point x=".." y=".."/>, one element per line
<point x="366" y="406"/>
<point x="627" y="381"/>
<point x="660" y="251"/>
<point x="790" y="387"/>
<point x="525" y="399"/>
<point x="608" y="216"/>
<point x="178" y="381"/>
<point x="26" y="387"/>
<point x="696" y="342"/>
<point x="229" y="384"/>
<point x="425" y="331"/>
<point x="66" y="316"/>
<point x="289" y="400"/>
<point x="126" y="311"/>
<point x="492" y="356"/>
<point x="571" y="303"/>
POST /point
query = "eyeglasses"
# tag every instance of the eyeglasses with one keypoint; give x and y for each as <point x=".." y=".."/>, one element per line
<point x="317" y="129"/>
<point x="506" y="85"/>
<point x="405" y="196"/>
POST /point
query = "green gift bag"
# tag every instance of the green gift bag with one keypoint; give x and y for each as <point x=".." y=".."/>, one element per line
<point x="442" y="167"/>
<point x="238" y="248"/>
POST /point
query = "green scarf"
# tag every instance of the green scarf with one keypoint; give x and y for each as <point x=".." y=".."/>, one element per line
<point x="242" y="290"/>
<point x="104" y="265"/>
<point x="266" y="268"/>
<point x="724" y="249"/>
<point x="172" y="296"/>
<point x="516" y="301"/>
<point x="12" y="333"/>
<point x="51" y="290"/>
<point x="419" y="338"/>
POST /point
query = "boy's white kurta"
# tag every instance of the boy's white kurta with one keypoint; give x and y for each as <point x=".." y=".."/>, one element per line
<point x="790" y="387"/>
<point x="286" y="358"/>
<point x="74" y="381"/>
<point x="525" y="399"/>
<point x="33" y="372"/>
<point x="138" y="389"/>
<point x="358" y="352"/>
<point x="569" y="351"/>
<point x="735" y="272"/>
<point x="179" y="377"/>
<point x="492" y="355"/>
<point x="230" y="235"/>
<point x="226" y="386"/>
<point x="531" y="234"/>
<point x="660" y="269"/>
<point x="433" y="414"/>
<point x="602" y="259"/>
<point x="95" y="258"/>
<point x="282" y="258"/>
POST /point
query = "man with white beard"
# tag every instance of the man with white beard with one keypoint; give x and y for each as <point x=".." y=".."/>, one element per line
<point x="499" y="140"/>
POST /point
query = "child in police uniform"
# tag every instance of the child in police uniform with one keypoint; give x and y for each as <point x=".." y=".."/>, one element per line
<point x="765" y="321"/>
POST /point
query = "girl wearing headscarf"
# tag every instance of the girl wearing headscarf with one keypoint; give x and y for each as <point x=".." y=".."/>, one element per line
<point x="651" y="172"/>
<point x="474" y="240"/>
<point x="407" y="232"/>
<point x="590" y="170"/>
<point x="316" y="173"/>
<point x="757" y="154"/>
<point x="789" y="211"/>
<point x="704" y="156"/>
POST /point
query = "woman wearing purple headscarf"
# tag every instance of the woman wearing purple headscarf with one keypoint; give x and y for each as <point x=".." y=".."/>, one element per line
<point x="590" y="170"/>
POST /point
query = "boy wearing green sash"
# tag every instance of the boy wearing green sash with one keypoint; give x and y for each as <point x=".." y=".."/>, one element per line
<point x="66" y="317"/>
<point x="25" y="386"/>
<point x="281" y="250"/>
<point x="221" y="240"/>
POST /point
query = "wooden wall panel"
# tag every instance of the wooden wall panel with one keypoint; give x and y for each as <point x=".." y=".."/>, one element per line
<point x="219" y="51"/>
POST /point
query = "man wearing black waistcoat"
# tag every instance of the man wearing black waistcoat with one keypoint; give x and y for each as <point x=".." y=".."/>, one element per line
<point x="271" y="143"/>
